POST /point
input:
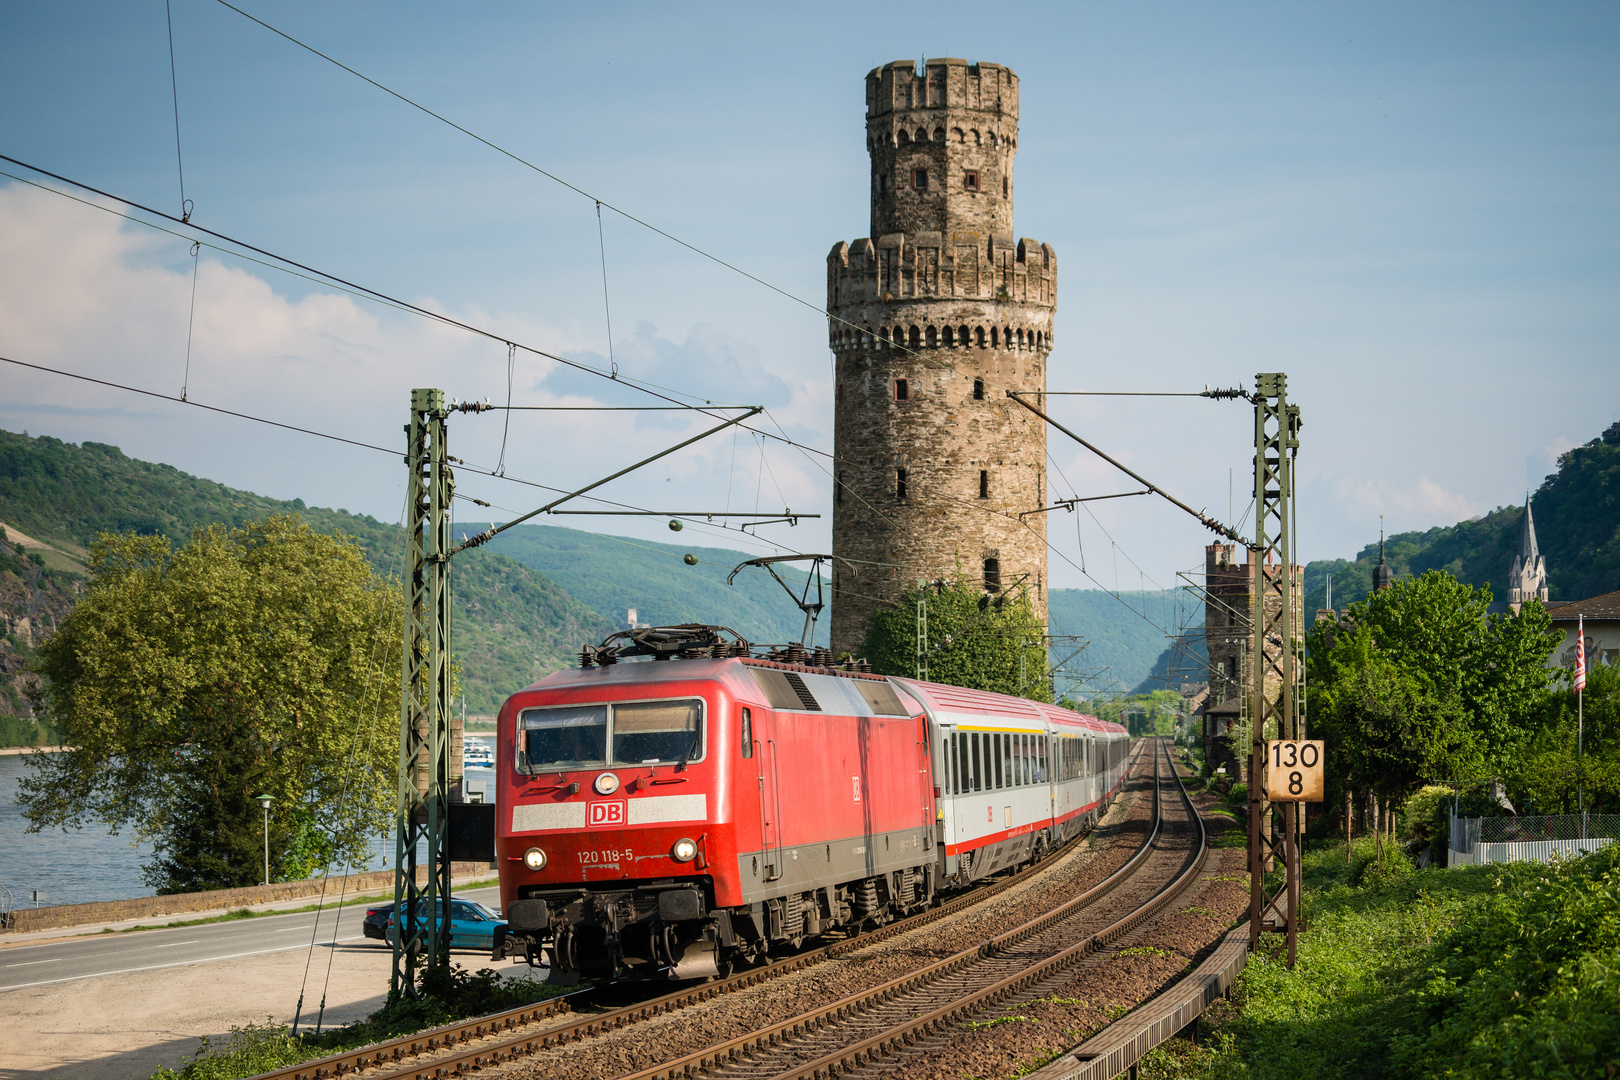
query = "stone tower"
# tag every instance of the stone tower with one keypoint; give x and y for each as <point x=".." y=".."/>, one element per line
<point x="938" y="312"/>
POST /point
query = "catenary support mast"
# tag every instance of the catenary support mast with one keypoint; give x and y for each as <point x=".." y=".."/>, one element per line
<point x="1274" y="648"/>
<point x="422" y="815"/>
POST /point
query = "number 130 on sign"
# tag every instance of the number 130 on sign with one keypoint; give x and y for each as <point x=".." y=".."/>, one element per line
<point x="1293" y="770"/>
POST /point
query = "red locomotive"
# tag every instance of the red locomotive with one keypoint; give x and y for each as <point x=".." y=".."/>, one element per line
<point x="682" y="816"/>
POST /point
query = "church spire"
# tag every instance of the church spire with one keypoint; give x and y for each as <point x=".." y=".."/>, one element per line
<point x="1527" y="576"/>
<point x="1383" y="576"/>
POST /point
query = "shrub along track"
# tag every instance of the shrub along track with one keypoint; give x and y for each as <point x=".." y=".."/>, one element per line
<point x="516" y="1033"/>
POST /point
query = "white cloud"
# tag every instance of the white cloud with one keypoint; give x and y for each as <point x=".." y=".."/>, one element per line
<point x="86" y="292"/>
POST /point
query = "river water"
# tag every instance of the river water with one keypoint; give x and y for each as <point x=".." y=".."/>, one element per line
<point x="91" y="864"/>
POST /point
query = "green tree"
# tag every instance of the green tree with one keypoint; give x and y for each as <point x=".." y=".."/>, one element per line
<point x="258" y="660"/>
<point x="1421" y="683"/>
<point x="975" y="639"/>
<point x="1564" y="756"/>
<point x="1144" y="714"/>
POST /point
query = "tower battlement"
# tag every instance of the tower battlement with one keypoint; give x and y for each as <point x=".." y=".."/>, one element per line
<point x="932" y="266"/>
<point x="942" y="147"/>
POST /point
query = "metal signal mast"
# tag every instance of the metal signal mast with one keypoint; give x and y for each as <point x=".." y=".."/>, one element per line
<point x="1274" y="652"/>
<point x="421" y="910"/>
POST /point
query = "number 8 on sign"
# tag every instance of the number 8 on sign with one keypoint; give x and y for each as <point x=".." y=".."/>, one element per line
<point x="1293" y="770"/>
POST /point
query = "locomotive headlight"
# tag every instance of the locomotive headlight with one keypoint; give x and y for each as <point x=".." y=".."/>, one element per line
<point x="606" y="784"/>
<point x="534" y="859"/>
<point x="684" y="850"/>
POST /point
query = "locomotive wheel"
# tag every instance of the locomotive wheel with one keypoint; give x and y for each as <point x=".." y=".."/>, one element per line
<point x="566" y="950"/>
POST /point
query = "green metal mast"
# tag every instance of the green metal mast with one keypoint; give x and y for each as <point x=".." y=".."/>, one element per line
<point x="1274" y="650"/>
<point x="922" y="630"/>
<point x="424" y="735"/>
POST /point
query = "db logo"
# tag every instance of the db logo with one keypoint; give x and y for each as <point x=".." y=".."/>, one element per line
<point x="604" y="813"/>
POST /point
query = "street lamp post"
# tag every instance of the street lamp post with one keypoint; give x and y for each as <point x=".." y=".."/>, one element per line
<point x="265" y="801"/>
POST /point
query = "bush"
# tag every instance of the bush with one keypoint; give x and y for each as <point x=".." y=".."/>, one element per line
<point x="1475" y="972"/>
<point x="1238" y="795"/>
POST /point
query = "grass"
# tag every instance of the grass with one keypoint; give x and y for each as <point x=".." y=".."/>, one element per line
<point x="1492" y="971"/>
<point x="249" y="913"/>
<point x="258" y="1048"/>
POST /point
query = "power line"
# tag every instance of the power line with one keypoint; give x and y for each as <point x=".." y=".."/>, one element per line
<point x="174" y="88"/>
<point x="198" y="405"/>
<point x="707" y="409"/>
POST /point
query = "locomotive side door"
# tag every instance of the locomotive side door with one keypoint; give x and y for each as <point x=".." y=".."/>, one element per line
<point x="927" y="790"/>
<point x="770" y="801"/>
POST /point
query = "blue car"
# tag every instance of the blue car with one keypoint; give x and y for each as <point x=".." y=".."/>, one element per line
<point x="472" y="925"/>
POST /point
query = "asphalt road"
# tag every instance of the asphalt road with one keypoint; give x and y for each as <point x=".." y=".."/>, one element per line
<point x="97" y="955"/>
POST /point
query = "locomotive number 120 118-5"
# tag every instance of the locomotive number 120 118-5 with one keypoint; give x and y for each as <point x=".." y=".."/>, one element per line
<point x="610" y="856"/>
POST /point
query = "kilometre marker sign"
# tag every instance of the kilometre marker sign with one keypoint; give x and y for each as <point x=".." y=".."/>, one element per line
<point x="1294" y="770"/>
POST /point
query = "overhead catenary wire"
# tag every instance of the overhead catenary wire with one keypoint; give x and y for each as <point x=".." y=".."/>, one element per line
<point x="198" y="405"/>
<point x="191" y="319"/>
<point x="174" y="89"/>
<point x="651" y="389"/>
<point x="596" y="199"/>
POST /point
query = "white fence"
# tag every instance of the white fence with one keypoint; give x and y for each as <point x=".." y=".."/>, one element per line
<point x="1527" y="838"/>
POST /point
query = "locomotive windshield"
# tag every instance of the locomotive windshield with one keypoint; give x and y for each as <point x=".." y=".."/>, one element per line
<point x="638" y="733"/>
<point x="567" y="738"/>
<point x="649" y="732"/>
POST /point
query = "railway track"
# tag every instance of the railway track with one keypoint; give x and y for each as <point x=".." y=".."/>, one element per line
<point x="858" y="1032"/>
<point x="429" y="1055"/>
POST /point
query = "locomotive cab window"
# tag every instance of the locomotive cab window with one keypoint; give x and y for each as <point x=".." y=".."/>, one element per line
<point x="577" y="737"/>
<point x="747" y="735"/>
<point x="655" y="732"/>
<point x="562" y="739"/>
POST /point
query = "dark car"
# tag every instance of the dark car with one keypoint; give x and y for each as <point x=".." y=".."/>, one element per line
<point x="376" y="924"/>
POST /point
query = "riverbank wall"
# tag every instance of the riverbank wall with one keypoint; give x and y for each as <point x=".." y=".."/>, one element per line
<point x="25" y="919"/>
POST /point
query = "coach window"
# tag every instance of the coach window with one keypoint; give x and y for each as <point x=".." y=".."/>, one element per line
<point x="998" y="745"/>
<point x="973" y="745"/>
<point x="747" y="733"/>
<point x="556" y="740"/>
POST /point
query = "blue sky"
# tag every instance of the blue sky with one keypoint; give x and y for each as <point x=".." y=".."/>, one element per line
<point x="1413" y="210"/>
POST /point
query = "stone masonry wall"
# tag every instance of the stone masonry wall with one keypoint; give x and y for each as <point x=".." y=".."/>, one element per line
<point x="933" y="322"/>
<point x="143" y="907"/>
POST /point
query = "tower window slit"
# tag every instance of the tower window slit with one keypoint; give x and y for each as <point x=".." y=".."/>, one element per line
<point x="900" y="483"/>
<point x="902" y="389"/>
<point x="978" y="390"/>
<point x="992" y="575"/>
<point x="984" y="491"/>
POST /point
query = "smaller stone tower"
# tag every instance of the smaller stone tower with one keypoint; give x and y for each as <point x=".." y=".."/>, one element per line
<point x="1228" y="639"/>
<point x="1527" y="577"/>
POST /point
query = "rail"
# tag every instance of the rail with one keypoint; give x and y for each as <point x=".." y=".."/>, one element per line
<point x="1118" y="1047"/>
<point x="401" y="1050"/>
<point x="869" y="1049"/>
